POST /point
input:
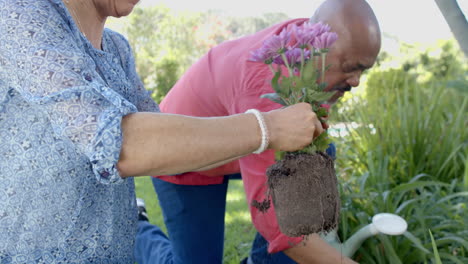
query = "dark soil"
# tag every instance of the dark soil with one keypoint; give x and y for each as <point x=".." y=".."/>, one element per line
<point x="305" y="194"/>
<point x="262" y="206"/>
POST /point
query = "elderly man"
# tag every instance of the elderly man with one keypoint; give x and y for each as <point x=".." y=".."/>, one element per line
<point x="226" y="82"/>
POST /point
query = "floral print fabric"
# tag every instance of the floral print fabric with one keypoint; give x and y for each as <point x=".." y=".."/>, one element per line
<point x="61" y="104"/>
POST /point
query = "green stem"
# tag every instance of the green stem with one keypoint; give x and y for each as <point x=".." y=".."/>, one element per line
<point x="302" y="62"/>
<point x="312" y="55"/>
<point x="288" y="102"/>
<point x="286" y="63"/>
<point x="323" y="67"/>
<point x="272" y="69"/>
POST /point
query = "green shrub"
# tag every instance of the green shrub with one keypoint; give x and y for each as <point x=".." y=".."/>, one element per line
<point x="413" y="130"/>
<point x="408" y="156"/>
<point x="425" y="204"/>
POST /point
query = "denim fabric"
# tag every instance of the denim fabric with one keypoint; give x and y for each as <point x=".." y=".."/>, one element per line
<point x="194" y="218"/>
<point x="260" y="255"/>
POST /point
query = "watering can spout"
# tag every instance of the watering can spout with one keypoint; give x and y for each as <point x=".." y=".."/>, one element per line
<point x="351" y="245"/>
<point x="388" y="224"/>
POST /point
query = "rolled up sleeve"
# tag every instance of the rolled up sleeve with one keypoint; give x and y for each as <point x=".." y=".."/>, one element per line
<point x="89" y="114"/>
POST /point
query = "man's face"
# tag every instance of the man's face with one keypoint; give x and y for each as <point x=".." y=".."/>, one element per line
<point x="115" y="8"/>
<point x="348" y="60"/>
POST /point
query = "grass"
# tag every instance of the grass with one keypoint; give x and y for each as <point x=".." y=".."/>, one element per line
<point x="434" y="247"/>
<point x="239" y="231"/>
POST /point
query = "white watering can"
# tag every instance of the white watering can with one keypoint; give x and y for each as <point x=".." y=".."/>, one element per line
<point x="384" y="223"/>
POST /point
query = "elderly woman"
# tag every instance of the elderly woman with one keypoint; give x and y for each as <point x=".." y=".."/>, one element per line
<point x="76" y="123"/>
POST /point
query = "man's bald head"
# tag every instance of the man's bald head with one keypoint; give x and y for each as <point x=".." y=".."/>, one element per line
<point x="358" y="41"/>
<point x="349" y="18"/>
<point x="353" y="20"/>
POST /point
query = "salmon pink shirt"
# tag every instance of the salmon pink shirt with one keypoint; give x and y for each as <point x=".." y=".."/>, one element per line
<point x="225" y="82"/>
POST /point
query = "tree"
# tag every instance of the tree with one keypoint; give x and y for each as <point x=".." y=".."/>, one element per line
<point x="456" y="21"/>
<point x="248" y="25"/>
<point x="164" y="44"/>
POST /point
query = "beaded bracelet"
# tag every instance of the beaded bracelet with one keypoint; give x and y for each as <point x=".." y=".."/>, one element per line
<point x="263" y="128"/>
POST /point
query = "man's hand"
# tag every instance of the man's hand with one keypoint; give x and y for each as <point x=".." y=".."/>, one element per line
<point x="316" y="251"/>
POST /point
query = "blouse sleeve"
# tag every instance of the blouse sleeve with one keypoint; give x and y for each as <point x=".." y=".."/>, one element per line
<point x="41" y="60"/>
<point x="143" y="99"/>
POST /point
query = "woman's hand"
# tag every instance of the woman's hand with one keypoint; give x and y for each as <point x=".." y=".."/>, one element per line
<point x="292" y="128"/>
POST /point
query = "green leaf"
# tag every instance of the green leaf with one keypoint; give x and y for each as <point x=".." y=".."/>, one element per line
<point x="418" y="177"/>
<point x="389" y="250"/>
<point x="459" y="85"/>
<point x="309" y="149"/>
<point x="455" y="195"/>
<point x="305" y="95"/>
<point x="434" y="247"/>
<point x="321" y="142"/>
<point x="315" y="96"/>
<point x="321" y="112"/>
<point x="275" y="82"/>
<point x="451" y="240"/>
<point x="465" y="177"/>
<point x="279" y="155"/>
<point x="415" y="185"/>
<point x="274" y="97"/>
<point x="407" y="203"/>
<point x="309" y="74"/>
<point x="287" y="86"/>
<point x="416" y="242"/>
<point x="322" y="86"/>
<point x="452" y="258"/>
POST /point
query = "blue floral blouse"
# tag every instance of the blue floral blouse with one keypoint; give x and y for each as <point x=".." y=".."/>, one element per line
<point x="61" y="104"/>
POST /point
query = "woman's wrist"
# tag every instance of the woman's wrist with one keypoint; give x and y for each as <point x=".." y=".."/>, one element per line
<point x="265" y="137"/>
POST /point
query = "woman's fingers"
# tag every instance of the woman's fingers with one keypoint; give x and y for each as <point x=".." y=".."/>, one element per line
<point x="293" y="128"/>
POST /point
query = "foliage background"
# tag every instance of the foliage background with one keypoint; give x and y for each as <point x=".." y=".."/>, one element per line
<point x="410" y="158"/>
<point x="166" y="43"/>
<point x="403" y="149"/>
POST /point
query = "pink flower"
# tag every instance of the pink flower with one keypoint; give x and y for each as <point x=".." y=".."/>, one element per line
<point x="293" y="56"/>
<point x="275" y="48"/>
<point x="304" y="34"/>
<point x="325" y="40"/>
<point x="276" y="44"/>
<point x="320" y="28"/>
<point x="262" y="55"/>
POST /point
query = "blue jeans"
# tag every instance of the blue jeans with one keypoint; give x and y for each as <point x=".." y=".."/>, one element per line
<point x="194" y="217"/>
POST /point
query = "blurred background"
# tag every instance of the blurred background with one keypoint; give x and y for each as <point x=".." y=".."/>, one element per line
<point x="401" y="136"/>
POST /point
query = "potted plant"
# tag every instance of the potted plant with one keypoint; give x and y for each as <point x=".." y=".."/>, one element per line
<point x="302" y="184"/>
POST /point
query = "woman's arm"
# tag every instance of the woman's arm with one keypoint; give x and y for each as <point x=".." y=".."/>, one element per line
<point x="164" y="144"/>
<point x="216" y="165"/>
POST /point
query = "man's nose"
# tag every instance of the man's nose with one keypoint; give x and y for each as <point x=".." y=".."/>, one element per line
<point x="353" y="80"/>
